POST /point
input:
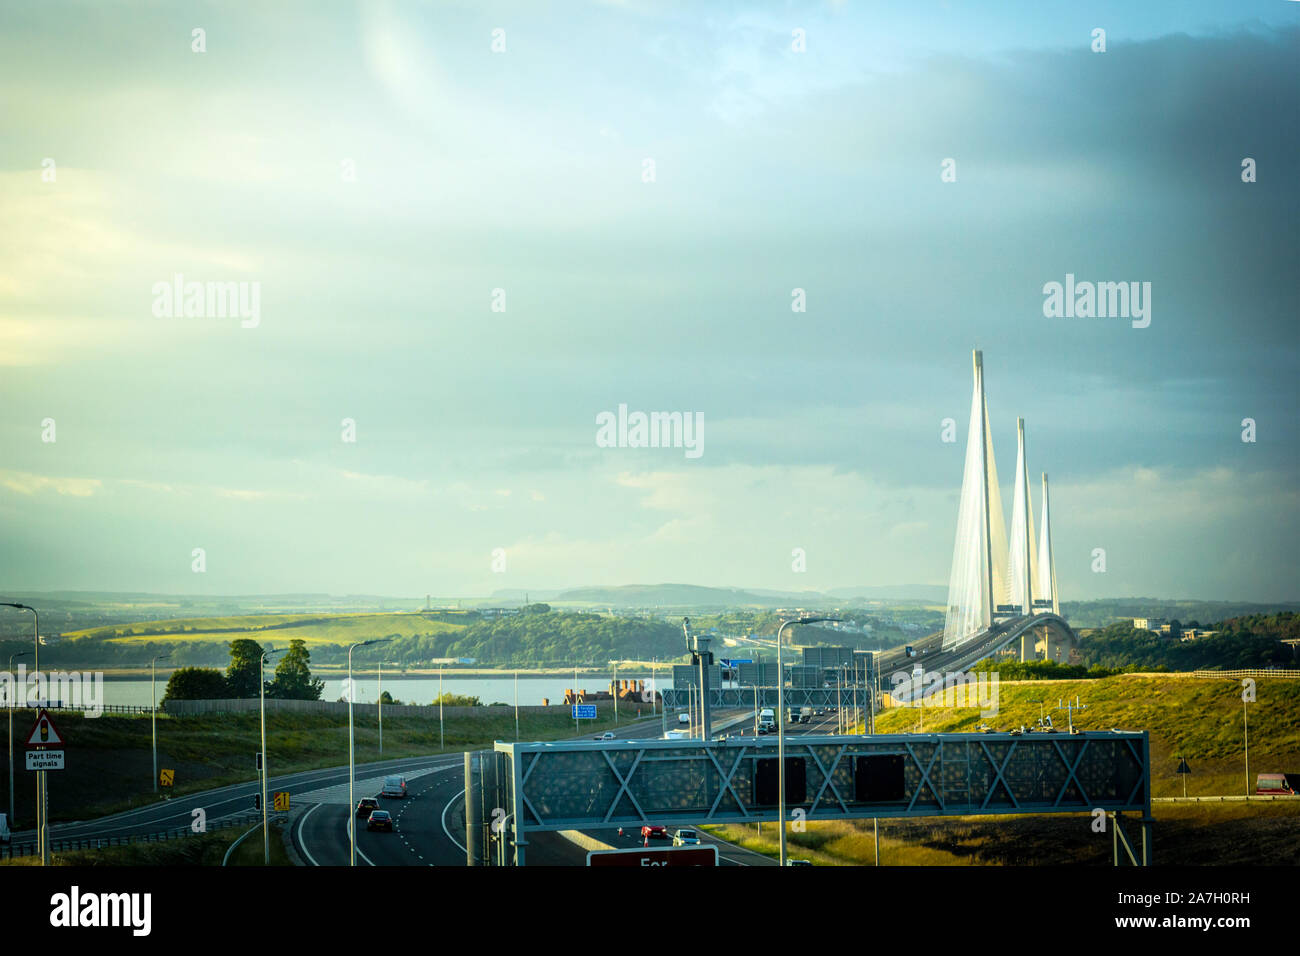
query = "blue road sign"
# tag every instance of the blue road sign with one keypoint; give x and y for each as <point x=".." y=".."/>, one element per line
<point x="734" y="662"/>
<point x="584" y="711"/>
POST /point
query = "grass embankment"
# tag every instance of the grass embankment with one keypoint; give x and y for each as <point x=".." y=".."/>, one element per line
<point x="110" y="763"/>
<point x="1200" y="719"/>
<point x="204" y="849"/>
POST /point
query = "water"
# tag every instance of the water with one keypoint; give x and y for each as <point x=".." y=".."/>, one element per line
<point x="414" y="690"/>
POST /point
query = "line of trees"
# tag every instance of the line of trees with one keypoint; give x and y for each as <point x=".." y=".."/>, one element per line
<point x="292" y="680"/>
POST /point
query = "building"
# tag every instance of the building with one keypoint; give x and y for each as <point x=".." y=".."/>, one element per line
<point x="1150" y="624"/>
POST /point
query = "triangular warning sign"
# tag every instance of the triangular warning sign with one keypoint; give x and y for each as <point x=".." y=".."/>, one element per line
<point x="1182" y="766"/>
<point x="44" y="733"/>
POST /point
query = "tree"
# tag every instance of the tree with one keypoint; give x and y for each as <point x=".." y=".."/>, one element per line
<point x="387" y="698"/>
<point x="196" y="683"/>
<point x="449" y="699"/>
<point x="293" y="680"/>
<point x="244" y="671"/>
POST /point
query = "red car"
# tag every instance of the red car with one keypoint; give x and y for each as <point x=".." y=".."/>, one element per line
<point x="654" y="832"/>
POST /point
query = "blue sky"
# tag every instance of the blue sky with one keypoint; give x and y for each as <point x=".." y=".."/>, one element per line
<point x="523" y="170"/>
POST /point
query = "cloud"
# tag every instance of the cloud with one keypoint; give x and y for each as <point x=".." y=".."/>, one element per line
<point x="25" y="483"/>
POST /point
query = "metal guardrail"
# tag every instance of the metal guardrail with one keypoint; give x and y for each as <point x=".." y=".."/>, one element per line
<point x="1242" y="798"/>
<point x="1255" y="672"/>
<point x="13" y="851"/>
<point x="105" y="708"/>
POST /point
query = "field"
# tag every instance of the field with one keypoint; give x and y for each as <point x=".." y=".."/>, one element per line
<point x="315" y="629"/>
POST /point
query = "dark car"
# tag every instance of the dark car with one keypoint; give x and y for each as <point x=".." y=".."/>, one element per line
<point x="380" y="820"/>
<point x="367" y="805"/>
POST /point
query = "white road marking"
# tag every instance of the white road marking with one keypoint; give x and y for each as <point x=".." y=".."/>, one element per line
<point x="444" y="821"/>
<point x="303" y="843"/>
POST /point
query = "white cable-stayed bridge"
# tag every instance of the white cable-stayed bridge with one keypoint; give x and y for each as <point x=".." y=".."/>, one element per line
<point x="1002" y="589"/>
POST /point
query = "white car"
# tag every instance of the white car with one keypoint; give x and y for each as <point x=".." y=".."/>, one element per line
<point x="683" y="718"/>
<point x="607" y="735"/>
<point x="686" y="838"/>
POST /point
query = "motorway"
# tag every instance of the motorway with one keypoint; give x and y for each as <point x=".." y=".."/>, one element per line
<point x="429" y="823"/>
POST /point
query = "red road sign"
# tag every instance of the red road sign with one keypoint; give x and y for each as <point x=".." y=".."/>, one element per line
<point x="663" y="856"/>
<point x="44" y="734"/>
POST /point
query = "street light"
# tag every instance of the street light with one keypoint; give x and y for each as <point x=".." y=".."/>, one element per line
<point x="381" y="704"/>
<point x="261" y="696"/>
<point x="41" y="822"/>
<point x="153" y="713"/>
<point x="780" y="724"/>
<point x="13" y="690"/>
<point x="352" y="764"/>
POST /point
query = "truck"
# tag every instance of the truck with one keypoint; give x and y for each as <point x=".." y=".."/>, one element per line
<point x="766" y="721"/>
<point x="805" y="714"/>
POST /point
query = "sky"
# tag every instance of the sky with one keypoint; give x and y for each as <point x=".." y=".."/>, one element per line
<point x="470" y="253"/>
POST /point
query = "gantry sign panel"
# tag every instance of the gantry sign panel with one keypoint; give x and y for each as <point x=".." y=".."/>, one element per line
<point x="556" y="786"/>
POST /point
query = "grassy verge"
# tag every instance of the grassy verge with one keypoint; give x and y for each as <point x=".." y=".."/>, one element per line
<point x="205" y="849"/>
<point x="110" y="762"/>
<point x="1183" y="835"/>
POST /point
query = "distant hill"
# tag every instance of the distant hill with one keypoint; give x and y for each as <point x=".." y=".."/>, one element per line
<point x="665" y="595"/>
<point x="693" y="595"/>
<point x="931" y="593"/>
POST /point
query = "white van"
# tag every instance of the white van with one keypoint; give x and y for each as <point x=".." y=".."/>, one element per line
<point x="766" y="720"/>
<point x="683" y="718"/>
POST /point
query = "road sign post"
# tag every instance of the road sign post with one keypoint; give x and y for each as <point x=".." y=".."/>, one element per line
<point x="663" y="856"/>
<point x="44" y="753"/>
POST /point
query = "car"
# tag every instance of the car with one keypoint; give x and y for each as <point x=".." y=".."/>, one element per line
<point x="762" y="730"/>
<point x="366" y="806"/>
<point x="607" y="735"/>
<point x="1274" y="784"/>
<point x="394" y="786"/>
<point x="683" y="718"/>
<point x="654" y="832"/>
<point x="793" y="862"/>
<point x="686" y="838"/>
<point x="380" y="820"/>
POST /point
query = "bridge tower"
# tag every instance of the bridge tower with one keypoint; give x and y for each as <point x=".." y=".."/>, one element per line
<point x="978" y="582"/>
<point x="1046" y="570"/>
<point x="1021" y="560"/>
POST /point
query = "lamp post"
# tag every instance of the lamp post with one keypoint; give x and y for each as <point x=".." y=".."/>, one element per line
<point x="13" y="690"/>
<point x="442" y="739"/>
<point x="381" y="704"/>
<point x="516" y="705"/>
<point x="261" y="702"/>
<point x="352" y="763"/>
<point x="1245" y="730"/>
<point x="41" y="822"/>
<point x="780" y="724"/>
<point x="153" y="713"/>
